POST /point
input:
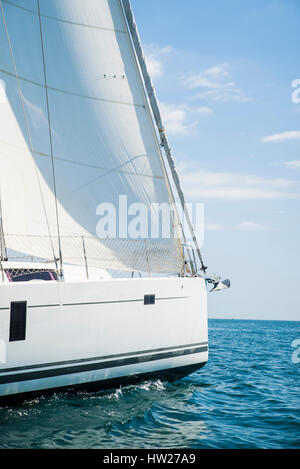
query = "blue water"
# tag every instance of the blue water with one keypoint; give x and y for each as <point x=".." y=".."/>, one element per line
<point x="247" y="396"/>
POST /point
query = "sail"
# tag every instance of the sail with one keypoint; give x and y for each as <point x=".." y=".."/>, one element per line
<point x="76" y="131"/>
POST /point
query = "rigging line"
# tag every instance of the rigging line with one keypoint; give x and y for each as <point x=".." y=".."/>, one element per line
<point x="50" y="138"/>
<point x="27" y="126"/>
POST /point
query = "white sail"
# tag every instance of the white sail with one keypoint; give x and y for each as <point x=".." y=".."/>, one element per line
<point x="102" y="142"/>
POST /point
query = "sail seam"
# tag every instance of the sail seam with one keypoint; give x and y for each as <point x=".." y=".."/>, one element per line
<point x="60" y="20"/>
<point x="77" y="163"/>
<point x="59" y="90"/>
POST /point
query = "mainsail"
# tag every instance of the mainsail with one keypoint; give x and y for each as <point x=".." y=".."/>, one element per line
<point x="76" y="130"/>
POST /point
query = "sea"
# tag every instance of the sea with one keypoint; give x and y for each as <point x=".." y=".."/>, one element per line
<point x="246" y="397"/>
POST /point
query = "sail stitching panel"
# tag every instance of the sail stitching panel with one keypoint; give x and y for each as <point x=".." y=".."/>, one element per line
<point x="66" y="21"/>
<point x="27" y="125"/>
<point x="135" y="138"/>
<point x="79" y="163"/>
<point x="59" y="90"/>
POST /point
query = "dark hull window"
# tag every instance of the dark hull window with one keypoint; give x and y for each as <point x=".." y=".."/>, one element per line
<point x="149" y="300"/>
<point x="17" y="321"/>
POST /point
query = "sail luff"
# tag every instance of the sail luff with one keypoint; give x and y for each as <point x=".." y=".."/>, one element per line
<point x="176" y="223"/>
<point x="157" y="115"/>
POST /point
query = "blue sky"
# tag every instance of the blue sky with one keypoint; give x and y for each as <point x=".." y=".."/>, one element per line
<point x="223" y="72"/>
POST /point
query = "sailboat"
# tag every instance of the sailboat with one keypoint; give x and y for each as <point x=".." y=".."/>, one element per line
<point x="80" y="131"/>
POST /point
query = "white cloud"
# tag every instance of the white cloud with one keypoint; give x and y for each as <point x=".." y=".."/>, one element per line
<point x="245" y="225"/>
<point x="293" y="164"/>
<point x="224" y="95"/>
<point x="202" y="185"/>
<point x="154" y="61"/>
<point x="210" y="78"/>
<point x="239" y="193"/>
<point x="198" y="110"/>
<point x="177" y="118"/>
<point x="155" y="67"/>
<point x="217" y="85"/>
<point x="282" y="137"/>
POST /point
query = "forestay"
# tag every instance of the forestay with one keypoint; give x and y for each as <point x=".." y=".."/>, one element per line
<point x="102" y="141"/>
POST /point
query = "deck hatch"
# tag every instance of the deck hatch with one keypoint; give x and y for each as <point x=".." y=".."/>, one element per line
<point x="18" y="312"/>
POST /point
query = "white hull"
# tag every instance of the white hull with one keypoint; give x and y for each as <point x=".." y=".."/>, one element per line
<point x="85" y="332"/>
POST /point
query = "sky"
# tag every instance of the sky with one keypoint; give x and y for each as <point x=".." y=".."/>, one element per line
<point x="226" y="76"/>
